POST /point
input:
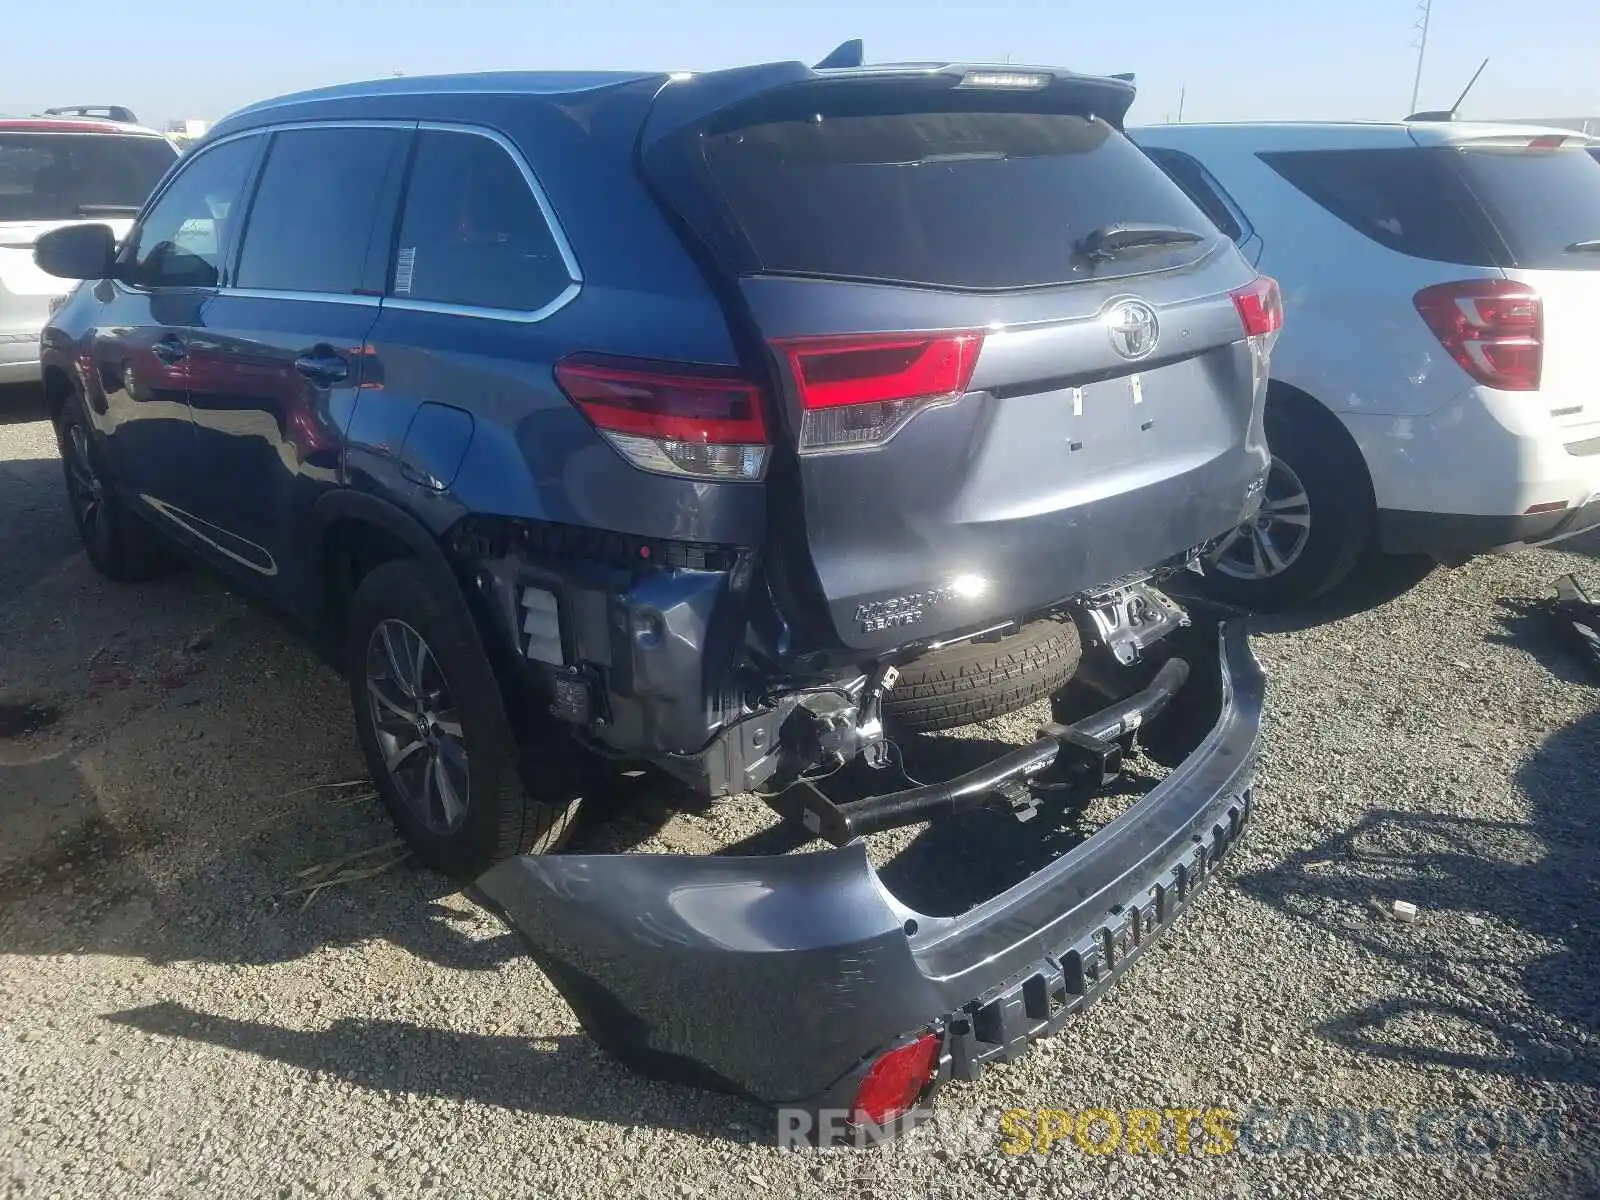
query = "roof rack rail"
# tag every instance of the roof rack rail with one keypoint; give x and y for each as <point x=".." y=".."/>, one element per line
<point x="108" y="112"/>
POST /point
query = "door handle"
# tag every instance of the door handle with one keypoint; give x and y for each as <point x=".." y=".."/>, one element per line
<point x="169" y="350"/>
<point x="322" y="368"/>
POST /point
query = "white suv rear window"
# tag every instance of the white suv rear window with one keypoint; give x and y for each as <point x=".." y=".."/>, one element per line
<point x="62" y="176"/>
<point x="1487" y="205"/>
<point x="1545" y="204"/>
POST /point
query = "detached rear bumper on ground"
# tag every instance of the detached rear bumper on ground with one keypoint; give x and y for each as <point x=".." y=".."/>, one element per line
<point x="785" y="978"/>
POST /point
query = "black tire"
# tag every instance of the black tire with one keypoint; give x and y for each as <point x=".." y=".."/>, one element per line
<point x="508" y="811"/>
<point x="976" y="681"/>
<point x="119" y="544"/>
<point x="1310" y="441"/>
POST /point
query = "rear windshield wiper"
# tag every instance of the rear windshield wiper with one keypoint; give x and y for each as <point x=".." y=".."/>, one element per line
<point x="108" y="210"/>
<point x="1586" y="246"/>
<point x="1105" y="243"/>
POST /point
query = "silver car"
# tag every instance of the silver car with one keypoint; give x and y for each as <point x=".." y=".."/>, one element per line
<point x="56" y="171"/>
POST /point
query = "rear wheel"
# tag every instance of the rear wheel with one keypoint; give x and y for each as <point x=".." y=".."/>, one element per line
<point x="118" y="544"/>
<point x="434" y="729"/>
<point x="977" y="681"/>
<point x="1315" y="518"/>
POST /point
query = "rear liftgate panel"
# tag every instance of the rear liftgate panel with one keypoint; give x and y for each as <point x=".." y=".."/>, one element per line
<point x="986" y="416"/>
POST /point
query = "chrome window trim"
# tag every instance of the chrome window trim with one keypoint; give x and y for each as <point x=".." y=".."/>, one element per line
<point x="180" y="164"/>
<point x="518" y="315"/>
<point x="354" y="298"/>
<point x="519" y="160"/>
<point x="557" y="234"/>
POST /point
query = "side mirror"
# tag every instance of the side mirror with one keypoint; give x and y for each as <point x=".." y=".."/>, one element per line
<point x="77" y="252"/>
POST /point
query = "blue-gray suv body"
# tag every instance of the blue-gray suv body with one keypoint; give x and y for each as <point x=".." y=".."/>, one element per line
<point x="701" y="420"/>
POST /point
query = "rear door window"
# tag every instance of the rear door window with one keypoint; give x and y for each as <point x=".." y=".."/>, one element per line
<point x="1545" y="203"/>
<point x="181" y="241"/>
<point x="1199" y="185"/>
<point x="1410" y="200"/>
<point x="473" y="233"/>
<point x="943" y="191"/>
<point x="62" y="176"/>
<point x="324" y="204"/>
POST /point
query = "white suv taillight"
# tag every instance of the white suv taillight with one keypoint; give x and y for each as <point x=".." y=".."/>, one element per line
<point x="1493" y="327"/>
<point x="857" y="392"/>
<point x="672" y="419"/>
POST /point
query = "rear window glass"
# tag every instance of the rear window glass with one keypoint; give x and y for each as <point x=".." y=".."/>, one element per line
<point x="942" y="196"/>
<point x="1410" y="200"/>
<point x="59" y="176"/>
<point x="1198" y="184"/>
<point x="1544" y="203"/>
<point x="473" y="233"/>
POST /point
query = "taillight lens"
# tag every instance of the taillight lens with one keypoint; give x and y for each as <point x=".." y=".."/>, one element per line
<point x="1493" y="327"/>
<point x="893" y="1083"/>
<point x="857" y="392"/>
<point x="670" y="419"/>
<point x="1260" y="306"/>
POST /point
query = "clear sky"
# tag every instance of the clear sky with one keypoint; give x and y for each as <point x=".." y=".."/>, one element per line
<point x="1238" y="60"/>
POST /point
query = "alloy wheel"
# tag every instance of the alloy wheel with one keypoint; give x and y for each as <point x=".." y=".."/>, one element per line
<point x="416" y="725"/>
<point x="1274" y="539"/>
<point x="85" y="492"/>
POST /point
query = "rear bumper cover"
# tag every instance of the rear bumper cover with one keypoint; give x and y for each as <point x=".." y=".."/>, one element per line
<point x="1452" y="535"/>
<point x="783" y="977"/>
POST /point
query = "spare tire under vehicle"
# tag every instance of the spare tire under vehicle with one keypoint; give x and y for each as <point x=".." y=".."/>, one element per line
<point x="976" y="681"/>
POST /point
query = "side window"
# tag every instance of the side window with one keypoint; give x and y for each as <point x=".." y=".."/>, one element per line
<point x="472" y="233"/>
<point x="182" y="239"/>
<point x="325" y="197"/>
<point x="1201" y="187"/>
<point x="1410" y="200"/>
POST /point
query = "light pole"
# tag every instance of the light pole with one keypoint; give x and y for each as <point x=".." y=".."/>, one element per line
<point x="1425" y="9"/>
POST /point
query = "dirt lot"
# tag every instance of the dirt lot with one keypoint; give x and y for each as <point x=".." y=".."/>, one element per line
<point x="171" y="1023"/>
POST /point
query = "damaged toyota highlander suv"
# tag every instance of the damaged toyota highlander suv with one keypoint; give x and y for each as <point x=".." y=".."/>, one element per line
<point x="714" y="424"/>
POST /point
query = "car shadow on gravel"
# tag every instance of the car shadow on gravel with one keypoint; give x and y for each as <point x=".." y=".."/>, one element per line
<point x="1377" y="580"/>
<point x="564" y="1076"/>
<point x="944" y="867"/>
<point x="1490" y="892"/>
<point x="1529" y="625"/>
<point x="36" y="533"/>
<point x="21" y="403"/>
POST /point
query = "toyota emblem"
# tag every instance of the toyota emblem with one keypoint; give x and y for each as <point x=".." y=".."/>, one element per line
<point x="1133" y="328"/>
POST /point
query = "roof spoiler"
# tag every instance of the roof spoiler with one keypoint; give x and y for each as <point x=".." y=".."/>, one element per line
<point x="683" y="104"/>
<point x="845" y="54"/>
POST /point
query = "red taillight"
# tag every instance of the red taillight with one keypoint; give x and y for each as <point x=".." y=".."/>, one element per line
<point x="895" y="1080"/>
<point x="688" y="420"/>
<point x="1260" y="306"/>
<point x="859" y="391"/>
<point x="1493" y="327"/>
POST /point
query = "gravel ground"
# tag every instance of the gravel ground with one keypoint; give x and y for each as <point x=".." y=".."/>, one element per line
<point x="172" y="1024"/>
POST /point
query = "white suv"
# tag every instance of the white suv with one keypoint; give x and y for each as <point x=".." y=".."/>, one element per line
<point x="1434" y="391"/>
<point x="55" y="171"/>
